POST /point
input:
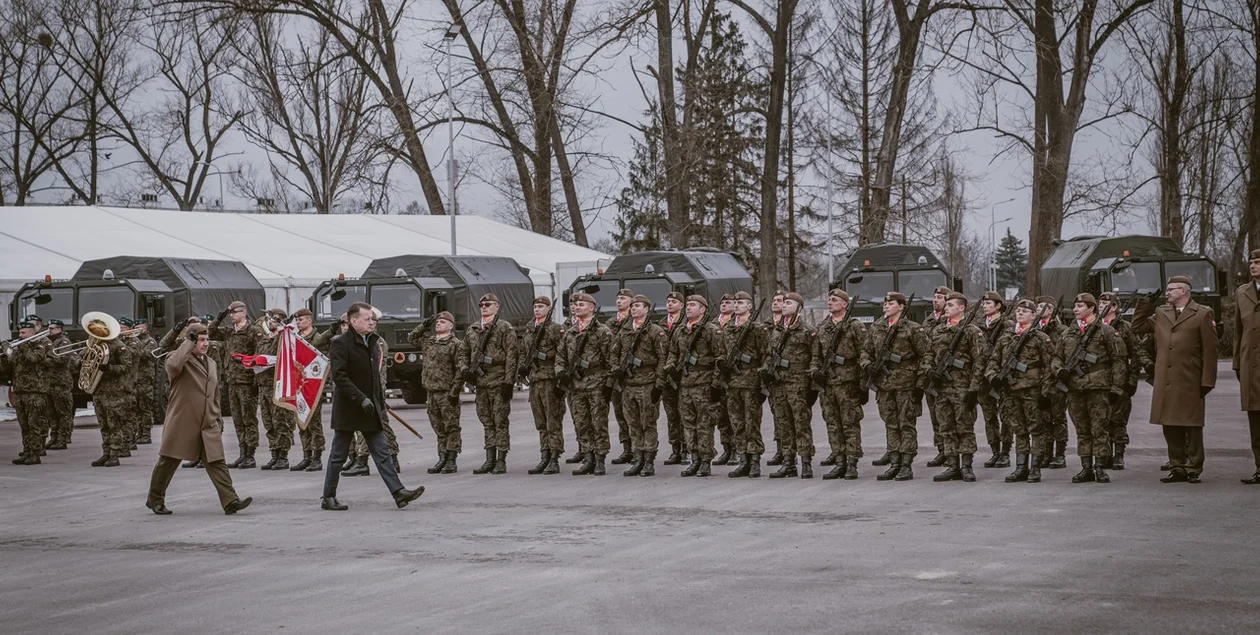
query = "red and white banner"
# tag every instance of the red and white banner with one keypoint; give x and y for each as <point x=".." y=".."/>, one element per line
<point x="300" y="374"/>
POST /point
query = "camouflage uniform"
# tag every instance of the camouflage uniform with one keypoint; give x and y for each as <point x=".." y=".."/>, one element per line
<point x="957" y="418"/>
<point x="445" y="360"/>
<point x="721" y="418"/>
<point x="546" y="401"/>
<point x="492" y="409"/>
<point x="617" y="324"/>
<point x="743" y="395"/>
<point x="697" y="364"/>
<point x="1089" y="395"/>
<point x="1024" y="393"/>
<point x="997" y="433"/>
<point x="841" y="408"/>
<point x="361" y="449"/>
<point x="146" y="385"/>
<point x="1137" y="358"/>
<point x="652" y="351"/>
<point x="789" y="393"/>
<point x="134" y="413"/>
<point x="277" y="422"/>
<point x="669" y="394"/>
<point x="241" y="383"/>
<point x="312" y="437"/>
<point x="929" y="325"/>
<point x="113" y="398"/>
<point x="1056" y="421"/>
<point x="587" y="387"/>
<point x="897" y="390"/>
<point x="61" y="382"/>
<point x="776" y="420"/>
<point x="30" y="365"/>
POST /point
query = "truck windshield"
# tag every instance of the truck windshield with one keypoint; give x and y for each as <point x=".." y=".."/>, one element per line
<point x="654" y="288"/>
<point x="1140" y="277"/>
<point x="327" y="308"/>
<point x="1202" y="275"/>
<point x="397" y="300"/>
<point x="117" y="301"/>
<point x="921" y="283"/>
<point x="871" y="285"/>
<point x="61" y="307"/>
<point x="604" y="291"/>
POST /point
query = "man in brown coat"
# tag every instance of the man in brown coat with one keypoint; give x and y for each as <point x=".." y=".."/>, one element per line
<point x="1247" y="355"/>
<point x="1185" y="372"/>
<point x="192" y="430"/>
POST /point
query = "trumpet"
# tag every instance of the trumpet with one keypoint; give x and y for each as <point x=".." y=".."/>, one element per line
<point x="79" y="347"/>
<point x="8" y="346"/>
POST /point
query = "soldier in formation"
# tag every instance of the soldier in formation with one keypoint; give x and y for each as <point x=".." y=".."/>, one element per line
<point x="537" y="365"/>
<point x="721" y="416"/>
<point x="616" y="324"/>
<point x="312" y="438"/>
<point x="997" y="433"/>
<point x="693" y="354"/>
<point x="786" y="373"/>
<point x="955" y="373"/>
<point x="929" y="324"/>
<point x="583" y="373"/>
<point x="61" y="382"/>
<point x="640" y="351"/>
<point x="240" y="337"/>
<point x="492" y="361"/>
<point x="895" y="361"/>
<point x="31" y="364"/>
<point x="1056" y="441"/>
<point x="1136" y="360"/>
<point x="836" y="370"/>
<point x="1020" y="372"/>
<point x="1091" y="369"/>
<point x="673" y="319"/>
<point x="746" y="345"/>
<point x="442" y="376"/>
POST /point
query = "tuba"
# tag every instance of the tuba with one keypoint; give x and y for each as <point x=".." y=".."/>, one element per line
<point x="100" y="328"/>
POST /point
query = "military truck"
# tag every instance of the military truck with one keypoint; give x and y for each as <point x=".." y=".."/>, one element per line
<point x="1130" y="266"/>
<point x="874" y="270"/>
<point x="407" y="289"/>
<point x="162" y="290"/>
<point x="707" y="272"/>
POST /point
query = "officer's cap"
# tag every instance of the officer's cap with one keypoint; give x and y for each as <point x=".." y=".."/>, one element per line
<point x="489" y="297"/>
<point x="197" y="328"/>
<point x="743" y="295"/>
<point x="699" y="299"/>
<point x="1255" y="254"/>
<point x="1180" y="280"/>
<point x="1086" y="298"/>
<point x="839" y="293"/>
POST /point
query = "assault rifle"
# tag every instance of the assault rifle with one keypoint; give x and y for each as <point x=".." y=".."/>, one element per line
<point x="1080" y="356"/>
<point x="948" y="361"/>
<point x="736" y="354"/>
<point x="1054" y="317"/>
<point x="991" y="338"/>
<point x="879" y="368"/>
<point x="629" y="363"/>
<point x="480" y="361"/>
<point x="686" y="359"/>
<point x="1012" y="363"/>
<point x="832" y="358"/>
<point x="534" y="354"/>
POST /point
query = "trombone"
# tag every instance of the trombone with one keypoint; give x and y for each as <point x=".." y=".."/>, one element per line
<point x="8" y="346"/>
<point x="79" y="347"/>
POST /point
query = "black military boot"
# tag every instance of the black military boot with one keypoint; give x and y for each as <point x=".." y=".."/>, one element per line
<point x="693" y="467"/>
<point x="787" y="467"/>
<point x="754" y="466"/>
<point x="905" y="472"/>
<point x="626" y="455"/>
<point x="553" y="466"/>
<point x="937" y="460"/>
<point x="637" y="465"/>
<point x="282" y="461"/>
<point x="887" y="459"/>
<point x="1060" y="460"/>
<point x="111" y="460"/>
<point x="675" y="458"/>
<point x="1020" y="474"/>
<point x="542" y="463"/>
<point x="1087" y="470"/>
<point x="248" y="463"/>
<point x="964" y="468"/>
<point x="744" y="467"/>
<point x="55" y="445"/>
<point x="349" y="464"/>
<point x="841" y="467"/>
<point x="304" y="463"/>
<point x="97" y="463"/>
<point x="649" y="464"/>
<point x="777" y="459"/>
<point x="316" y="464"/>
<point x="599" y="469"/>
<point x="1100" y="474"/>
<point x="451" y="466"/>
<point x="706" y="468"/>
<point x="360" y="467"/>
<point x="951" y="472"/>
<point x="489" y="464"/>
<point x="1004" y="459"/>
<point x="577" y="457"/>
<point x="441" y="463"/>
<point x="588" y="464"/>
<point x="725" y="457"/>
<point x="1167" y="467"/>
<point x="30" y="459"/>
<point x="1117" y="458"/>
<point x="850" y="473"/>
<point x="125" y="453"/>
<point x="807" y="468"/>
<point x="500" y="463"/>
<point x="192" y="463"/>
<point x="275" y="456"/>
<point x="830" y="460"/>
<point x="997" y="452"/>
<point x="894" y="466"/>
<point x="1034" y="469"/>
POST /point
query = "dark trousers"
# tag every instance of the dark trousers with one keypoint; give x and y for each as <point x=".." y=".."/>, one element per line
<point x="1253" y="421"/>
<point x="1185" y="448"/>
<point x="378" y="446"/>
<point x="165" y="470"/>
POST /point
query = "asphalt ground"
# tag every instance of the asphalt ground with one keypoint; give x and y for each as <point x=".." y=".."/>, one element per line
<point x="517" y="553"/>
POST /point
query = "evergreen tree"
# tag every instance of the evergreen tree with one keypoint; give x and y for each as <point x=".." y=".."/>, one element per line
<point x="642" y="216"/>
<point x="1012" y="263"/>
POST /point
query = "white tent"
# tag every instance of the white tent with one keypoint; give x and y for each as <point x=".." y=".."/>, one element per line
<point x="290" y="254"/>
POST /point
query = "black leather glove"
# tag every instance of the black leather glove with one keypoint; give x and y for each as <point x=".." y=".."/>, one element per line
<point x="969" y="399"/>
<point x="222" y="314"/>
<point x="818" y="376"/>
<point x="1204" y="390"/>
<point x="192" y="337"/>
<point x="918" y="396"/>
<point x="997" y="383"/>
<point x="863" y="396"/>
<point x="427" y="323"/>
<point x="1063" y="375"/>
<point x="716" y="395"/>
<point x="1130" y="390"/>
<point x="562" y="376"/>
<point x="179" y="327"/>
<point x="766" y="376"/>
<point x="453" y="397"/>
<point x="368" y="407"/>
<point x="607" y="393"/>
<point x="722" y="364"/>
<point x="1043" y="402"/>
<point x="811" y="397"/>
<point x="470" y="377"/>
<point x="505" y="392"/>
<point x="655" y="395"/>
<point x="761" y="397"/>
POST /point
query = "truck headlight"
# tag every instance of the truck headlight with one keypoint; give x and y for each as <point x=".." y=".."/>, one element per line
<point x="411" y="357"/>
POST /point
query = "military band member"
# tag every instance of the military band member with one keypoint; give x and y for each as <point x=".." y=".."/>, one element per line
<point x="1247" y="355"/>
<point x="772" y="323"/>
<point x="312" y="437"/>
<point x="1056" y="422"/>
<point x="112" y="399"/>
<point x="744" y="398"/>
<point x="492" y="362"/>
<point x="721" y="417"/>
<point x="669" y="394"/>
<point x="1137" y="359"/>
<point x="442" y="376"/>
<point x="582" y="371"/>
<point x="61" y="383"/>
<point x="31" y="365"/>
<point x="616" y="323"/>
<point x="1094" y="387"/>
<point x="639" y="352"/>
<point x="786" y="373"/>
<point x="1020" y="371"/>
<point x="1184" y="337"/>
<point x="929" y="323"/>
<point x="997" y="433"/>
<point x="693" y="354"/>
<point x="837" y="368"/>
<point x="957" y="387"/>
<point x="131" y="413"/>
<point x="538" y="366"/>
<point x="899" y="384"/>
<point x="240" y="337"/>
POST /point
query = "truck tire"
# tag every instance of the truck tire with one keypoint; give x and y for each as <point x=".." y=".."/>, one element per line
<point x="414" y="393"/>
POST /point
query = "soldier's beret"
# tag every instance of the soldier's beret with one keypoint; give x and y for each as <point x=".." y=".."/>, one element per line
<point x="942" y="291"/>
<point x="1255" y="254"/>
<point x="1108" y="297"/>
<point x="625" y="293"/>
<point x="1045" y="299"/>
<point x="543" y="300"/>
<point x="34" y="318"/>
<point x="743" y="295"/>
<point x="641" y="299"/>
<point x="140" y="321"/>
<point x="489" y="297"/>
<point x="26" y="325"/>
<point x="376" y="313"/>
<point x="236" y="305"/>
<point x="893" y="296"/>
<point x="699" y="299"/>
<point x="1086" y="298"/>
<point x="726" y="297"/>
<point x="675" y="296"/>
<point x="838" y="293"/>
<point x="57" y="323"/>
<point x="279" y="314"/>
<point x="197" y="328"/>
<point x="795" y="297"/>
<point x="582" y="297"/>
<point x="206" y="319"/>
<point x="993" y="296"/>
<point x="126" y="321"/>
<point x="1180" y="280"/>
<point x="444" y="315"/>
<point x="1026" y="304"/>
<point x="954" y="295"/>
<point x="303" y="312"/>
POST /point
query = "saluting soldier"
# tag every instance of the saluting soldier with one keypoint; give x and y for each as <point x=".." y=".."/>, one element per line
<point x="1137" y="359"/>
<point x="1184" y="334"/>
<point x="1247" y="355"/>
<point x="898" y="384"/>
<point x="616" y="323"/>
<point x="957" y="387"/>
<point x="786" y="373"/>
<point x="492" y="363"/>
<point x="538" y="366"/>
<point x="837" y="365"/>
<point x="639" y="352"/>
<point x="772" y="323"/>
<point x="1056" y="421"/>
<point x="167" y="346"/>
<point x="312" y="437"/>
<point x="61" y="381"/>
<point x="673" y="319"/>
<point x="445" y="360"/>
<point x="996" y="432"/>
<point x="721" y="418"/>
<point x="1020" y="370"/>
<point x="240" y="337"/>
<point x="744" y="397"/>
<point x="1094" y="386"/>
<point x="693" y="355"/>
<point x="929" y="323"/>
<point x="582" y="371"/>
<point x="31" y="364"/>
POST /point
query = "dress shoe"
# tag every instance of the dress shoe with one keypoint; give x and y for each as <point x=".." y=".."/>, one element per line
<point x="1254" y="480"/>
<point x="332" y="504"/>
<point x="1191" y="477"/>
<point x="1175" y="476"/>
<point x="237" y="505"/>
<point x="404" y="496"/>
<point x="159" y="509"/>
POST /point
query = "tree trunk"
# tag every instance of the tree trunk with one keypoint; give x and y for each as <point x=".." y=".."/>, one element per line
<point x="670" y="143"/>
<point x="1251" y="215"/>
<point x="566" y="183"/>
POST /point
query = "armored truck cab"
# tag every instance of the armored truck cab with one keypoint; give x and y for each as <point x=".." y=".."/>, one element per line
<point x="655" y="274"/>
<point x="874" y="270"/>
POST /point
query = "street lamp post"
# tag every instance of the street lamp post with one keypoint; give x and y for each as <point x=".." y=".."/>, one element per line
<point x="451" y="33"/>
<point x="218" y="172"/>
<point x="993" y="245"/>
